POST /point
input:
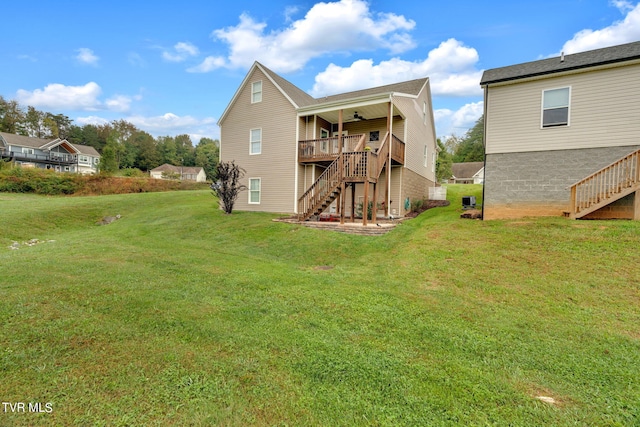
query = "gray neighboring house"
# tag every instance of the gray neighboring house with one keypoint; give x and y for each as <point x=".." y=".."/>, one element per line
<point x="306" y="155"/>
<point x="467" y="173"/>
<point x="52" y="153"/>
<point x="562" y="136"/>
<point x="187" y="173"/>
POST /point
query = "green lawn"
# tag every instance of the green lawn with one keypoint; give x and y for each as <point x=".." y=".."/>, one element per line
<point x="179" y="315"/>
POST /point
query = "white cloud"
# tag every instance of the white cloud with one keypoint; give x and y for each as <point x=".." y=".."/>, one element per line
<point x="172" y="124"/>
<point x="209" y="64"/>
<point x="86" y="56"/>
<point x="182" y="51"/>
<point x="343" y="26"/>
<point x="620" y="32"/>
<point x="58" y="96"/>
<point x="77" y="98"/>
<point x="450" y="67"/>
<point x="449" y="122"/>
<point x="120" y="103"/>
<point x="91" y="120"/>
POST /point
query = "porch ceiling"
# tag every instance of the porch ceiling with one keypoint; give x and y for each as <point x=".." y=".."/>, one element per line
<point x="369" y="112"/>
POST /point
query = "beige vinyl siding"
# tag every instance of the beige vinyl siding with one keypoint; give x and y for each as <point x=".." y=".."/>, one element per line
<point x="276" y="165"/>
<point x="604" y="111"/>
<point x="417" y="134"/>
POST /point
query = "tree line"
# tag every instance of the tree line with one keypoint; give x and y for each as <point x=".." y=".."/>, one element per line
<point x="121" y="144"/>
<point x="455" y="149"/>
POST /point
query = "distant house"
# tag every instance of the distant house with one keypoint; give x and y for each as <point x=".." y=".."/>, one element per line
<point x="562" y="136"/>
<point x="335" y="154"/>
<point x="467" y="173"/>
<point x="53" y="153"/>
<point x="186" y="173"/>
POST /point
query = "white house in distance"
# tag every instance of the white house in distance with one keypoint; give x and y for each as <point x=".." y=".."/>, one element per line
<point x="562" y="136"/>
<point x="374" y="147"/>
<point x="53" y="153"/>
<point x="186" y="173"/>
<point x="467" y="173"/>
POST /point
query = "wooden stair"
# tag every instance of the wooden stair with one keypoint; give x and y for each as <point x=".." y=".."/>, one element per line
<point x="609" y="184"/>
<point x="355" y="166"/>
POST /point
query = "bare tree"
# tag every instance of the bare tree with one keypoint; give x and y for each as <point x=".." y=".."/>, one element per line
<point x="226" y="184"/>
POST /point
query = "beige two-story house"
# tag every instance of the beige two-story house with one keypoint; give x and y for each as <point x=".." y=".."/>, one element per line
<point x="341" y="154"/>
<point x="562" y="136"/>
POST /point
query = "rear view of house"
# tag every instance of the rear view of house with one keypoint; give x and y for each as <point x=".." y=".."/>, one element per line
<point x="302" y="155"/>
<point x="562" y="136"/>
<point x="55" y="153"/>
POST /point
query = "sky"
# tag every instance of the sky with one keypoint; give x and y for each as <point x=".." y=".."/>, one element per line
<point x="173" y="67"/>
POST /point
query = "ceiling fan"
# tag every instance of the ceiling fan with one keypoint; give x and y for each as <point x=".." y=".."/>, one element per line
<point x="356" y="117"/>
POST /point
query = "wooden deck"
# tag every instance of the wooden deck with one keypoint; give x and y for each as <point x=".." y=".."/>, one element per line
<point x="326" y="150"/>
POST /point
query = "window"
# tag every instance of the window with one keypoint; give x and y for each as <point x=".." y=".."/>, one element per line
<point x="27" y="151"/>
<point x="254" y="191"/>
<point x="374" y="135"/>
<point x="555" y="107"/>
<point x="84" y="159"/>
<point x="256" y="92"/>
<point x="424" y="112"/>
<point x="256" y="141"/>
<point x="324" y="145"/>
<point x="425" y="157"/>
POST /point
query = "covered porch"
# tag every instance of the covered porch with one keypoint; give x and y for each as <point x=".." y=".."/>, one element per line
<point x="349" y="145"/>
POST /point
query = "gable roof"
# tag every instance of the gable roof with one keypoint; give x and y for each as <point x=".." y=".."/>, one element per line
<point x="576" y="61"/>
<point x="46" y="143"/>
<point x="466" y="170"/>
<point x="301" y="99"/>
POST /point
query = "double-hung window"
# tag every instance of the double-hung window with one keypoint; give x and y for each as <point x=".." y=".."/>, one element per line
<point x="255" y="144"/>
<point x="555" y="107"/>
<point x="256" y="92"/>
<point x="254" y="191"/>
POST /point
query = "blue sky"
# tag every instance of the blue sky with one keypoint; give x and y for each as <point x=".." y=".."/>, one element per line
<point x="172" y="68"/>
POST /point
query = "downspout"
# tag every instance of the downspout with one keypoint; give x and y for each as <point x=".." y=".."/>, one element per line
<point x="484" y="144"/>
<point x="390" y="121"/>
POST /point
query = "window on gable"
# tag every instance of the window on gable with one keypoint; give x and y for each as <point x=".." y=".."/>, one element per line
<point x="256" y="141"/>
<point x="254" y="191"/>
<point x="256" y="92"/>
<point x="555" y="107"/>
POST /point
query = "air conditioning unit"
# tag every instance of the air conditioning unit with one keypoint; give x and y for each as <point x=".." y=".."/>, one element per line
<point x="469" y="202"/>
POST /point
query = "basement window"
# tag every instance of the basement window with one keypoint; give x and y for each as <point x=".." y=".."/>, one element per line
<point x="555" y="107"/>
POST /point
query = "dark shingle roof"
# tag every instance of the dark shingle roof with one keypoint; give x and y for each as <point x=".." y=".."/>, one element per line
<point x="466" y="170"/>
<point x="27" y="141"/>
<point x="297" y="95"/>
<point x="303" y="99"/>
<point x="24" y="141"/>
<point x="592" y="58"/>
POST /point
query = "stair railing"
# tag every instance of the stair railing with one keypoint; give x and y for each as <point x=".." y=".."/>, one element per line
<point x="607" y="183"/>
<point x="319" y="190"/>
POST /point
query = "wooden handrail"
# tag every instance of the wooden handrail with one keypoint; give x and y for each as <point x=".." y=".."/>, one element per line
<point x="328" y="147"/>
<point x="608" y="183"/>
<point x="319" y="190"/>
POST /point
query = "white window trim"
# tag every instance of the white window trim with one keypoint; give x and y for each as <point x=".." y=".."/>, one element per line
<point x="251" y="141"/>
<point x="254" y="92"/>
<point x="425" y="155"/>
<point x="542" y="126"/>
<point x="259" y="191"/>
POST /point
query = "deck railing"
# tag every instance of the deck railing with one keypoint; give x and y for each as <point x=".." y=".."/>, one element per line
<point x="44" y="158"/>
<point x="610" y="182"/>
<point x="320" y="189"/>
<point x="327" y="148"/>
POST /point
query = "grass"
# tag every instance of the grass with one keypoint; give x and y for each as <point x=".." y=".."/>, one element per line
<point x="177" y="314"/>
